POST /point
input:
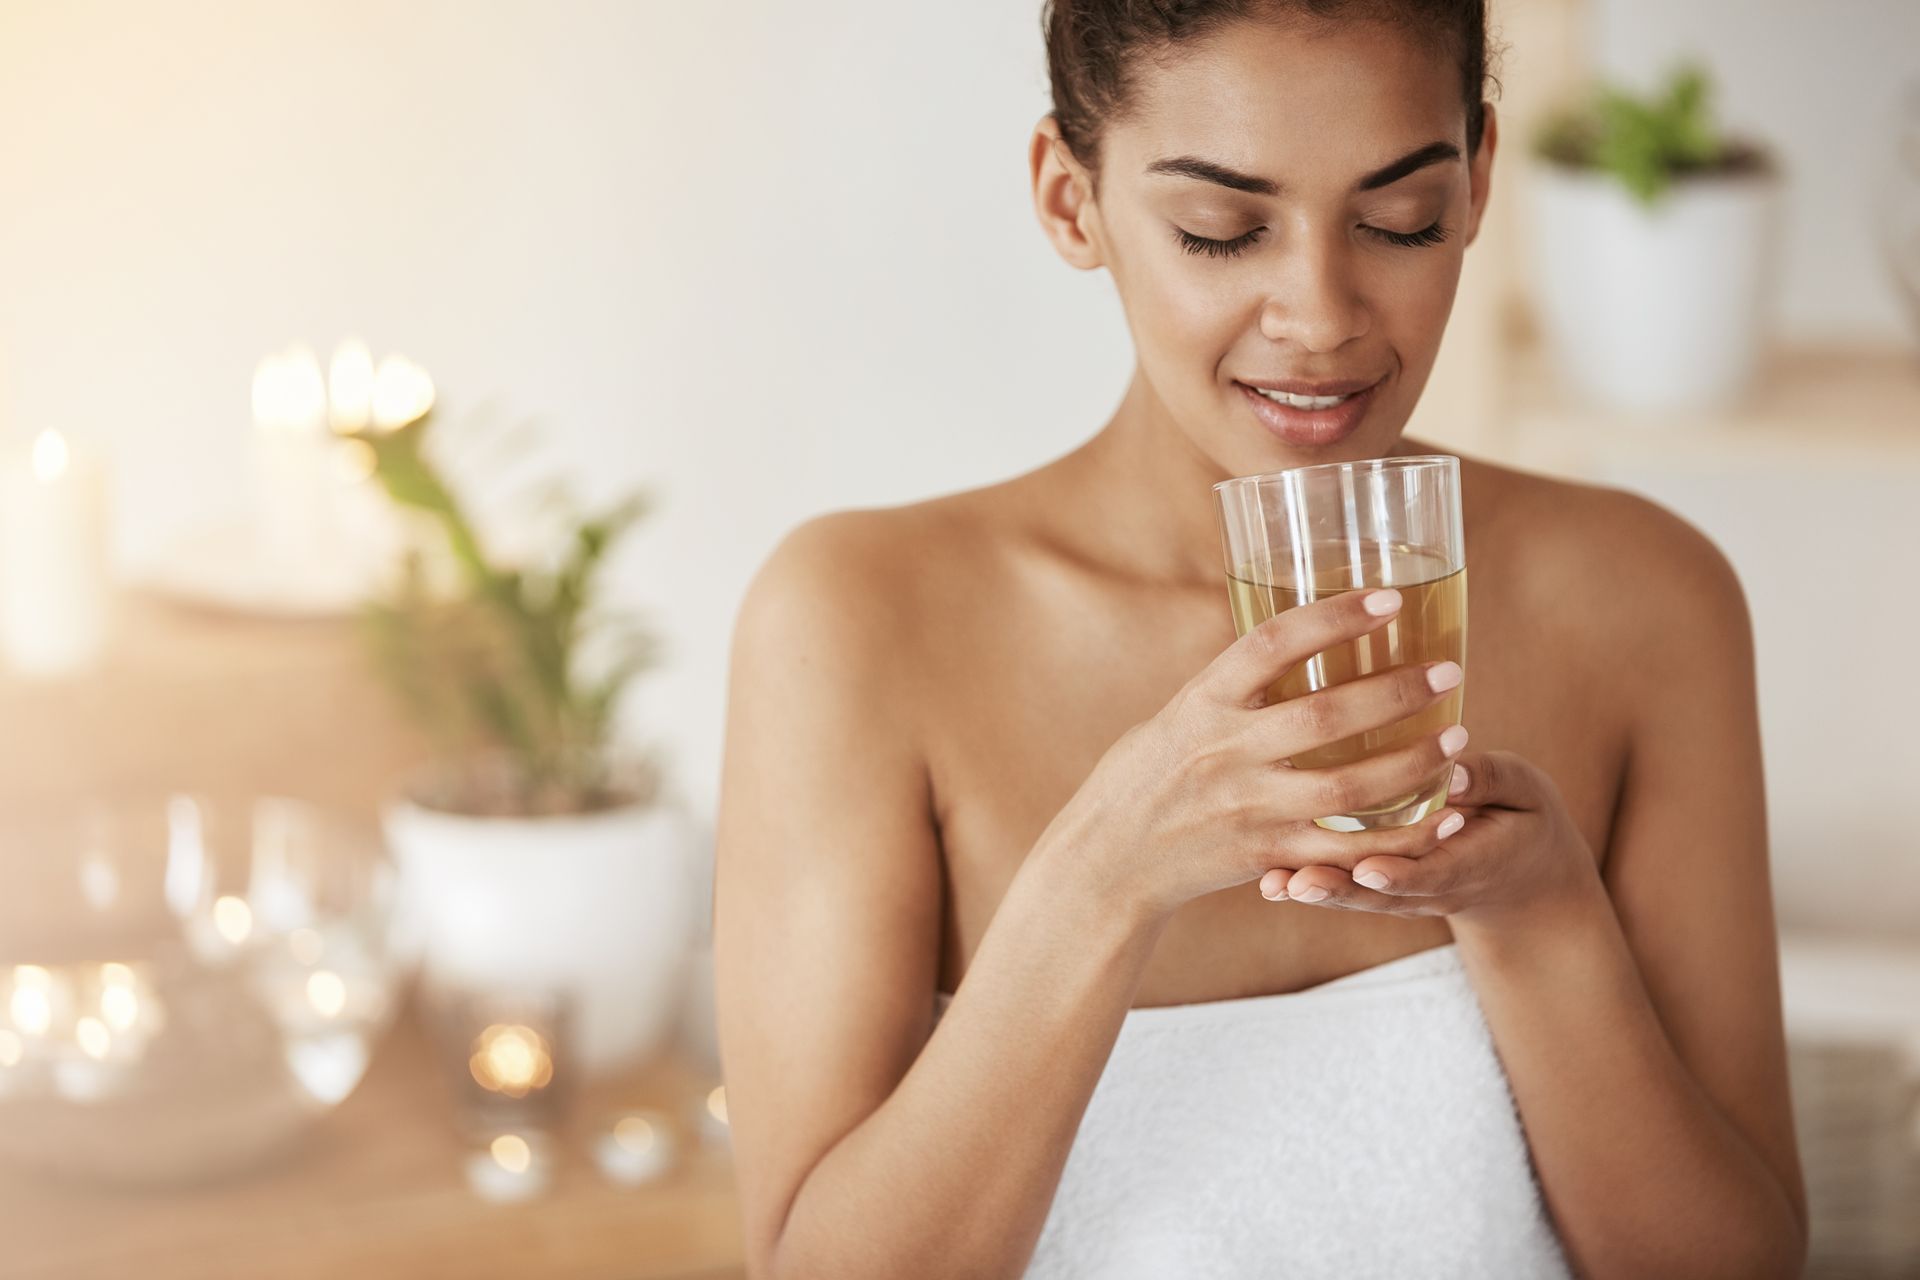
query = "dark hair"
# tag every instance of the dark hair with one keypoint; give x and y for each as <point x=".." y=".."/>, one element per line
<point x="1093" y="46"/>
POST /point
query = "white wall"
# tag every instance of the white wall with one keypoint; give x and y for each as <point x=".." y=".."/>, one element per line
<point x="767" y="258"/>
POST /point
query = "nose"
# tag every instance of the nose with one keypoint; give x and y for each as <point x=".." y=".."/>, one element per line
<point x="1314" y="301"/>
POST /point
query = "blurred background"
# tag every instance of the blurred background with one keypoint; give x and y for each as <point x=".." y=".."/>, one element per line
<point x="381" y="381"/>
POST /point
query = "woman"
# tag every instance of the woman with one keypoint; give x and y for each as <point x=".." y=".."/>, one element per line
<point x="996" y="993"/>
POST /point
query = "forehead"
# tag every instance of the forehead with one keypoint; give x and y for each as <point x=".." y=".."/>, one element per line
<point x="1296" y="101"/>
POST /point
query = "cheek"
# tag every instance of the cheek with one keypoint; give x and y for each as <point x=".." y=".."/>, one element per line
<point x="1187" y="314"/>
<point x="1416" y="302"/>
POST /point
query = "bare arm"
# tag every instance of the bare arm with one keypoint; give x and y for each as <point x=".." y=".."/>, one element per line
<point x="863" y="1147"/>
<point x="1641" y="1028"/>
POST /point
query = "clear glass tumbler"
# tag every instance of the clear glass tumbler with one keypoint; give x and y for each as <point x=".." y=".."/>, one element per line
<point x="1292" y="537"/>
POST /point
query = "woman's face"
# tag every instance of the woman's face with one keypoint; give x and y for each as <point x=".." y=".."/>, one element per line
<point x="1339" y="267"/>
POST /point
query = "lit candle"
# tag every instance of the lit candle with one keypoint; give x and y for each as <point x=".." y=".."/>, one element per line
<point x="350" y="387"/>
<point x="53" y="559"/>
<point x="637" y="1147"/>
<point x="713" y="1116"/>
<point x="511" y="1060"/>
<point x="402" y="391"/>
<point x="292" y="461"/>
<point x="511" y="1168"/>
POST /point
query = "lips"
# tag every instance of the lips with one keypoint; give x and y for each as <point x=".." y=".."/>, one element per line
<point x="1310" y="428"/>
<point x="1303" y="388"/>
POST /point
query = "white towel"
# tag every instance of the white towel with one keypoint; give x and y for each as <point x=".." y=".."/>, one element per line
<point x="1360" y="1128"/>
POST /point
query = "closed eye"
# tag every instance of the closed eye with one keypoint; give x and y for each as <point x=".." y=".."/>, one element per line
<point x="1228" y="248"/>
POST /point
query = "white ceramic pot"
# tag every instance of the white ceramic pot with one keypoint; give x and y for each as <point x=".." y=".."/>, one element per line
<point x="600" y="904"/>
<point x="1654" y="308"/>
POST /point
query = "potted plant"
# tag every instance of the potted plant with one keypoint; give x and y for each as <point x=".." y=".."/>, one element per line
<point x="533" y="851"/>
<point x="1653" y="238"/>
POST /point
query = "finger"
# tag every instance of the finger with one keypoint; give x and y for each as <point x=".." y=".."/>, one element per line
<point x="1348" y="709"/>
<point x="1273" y="885"/>
<point x="1307" y="844"/>
<point x="1347" y="788"/>
<point x="1441" y="873"/>
<point x="1330" y="887"/>
<point x="1496" y="778"/>
<point x="1247" y="668"/>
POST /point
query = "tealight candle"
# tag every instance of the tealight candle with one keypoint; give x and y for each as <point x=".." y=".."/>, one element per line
<point x="636" y="1147"/>
<point x="53" y="559"/>
<point x="511" y="1168"/>
<point x="292" y="463"/>
<point x="713" y="1116"/>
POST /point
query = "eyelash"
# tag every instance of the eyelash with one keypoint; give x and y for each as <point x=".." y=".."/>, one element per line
<point x="1228" y="248"/>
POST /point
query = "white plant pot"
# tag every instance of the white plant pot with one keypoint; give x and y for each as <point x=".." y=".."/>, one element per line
<point x="598" y="904"/>
<point x="1654" y="309"/>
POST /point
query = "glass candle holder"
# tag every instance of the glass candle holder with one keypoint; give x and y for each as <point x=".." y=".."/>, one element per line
<point x="501" y="1051"/>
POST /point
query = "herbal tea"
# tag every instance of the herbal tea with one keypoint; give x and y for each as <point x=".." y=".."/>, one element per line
<point x="1430" y="626"/>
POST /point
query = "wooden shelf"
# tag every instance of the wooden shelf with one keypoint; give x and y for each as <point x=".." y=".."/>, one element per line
<point x="1808" y="404"/>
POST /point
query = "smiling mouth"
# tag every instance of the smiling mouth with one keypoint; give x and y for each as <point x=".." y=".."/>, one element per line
<point x="1302" y="402"/>
<point x="1310" y="421"/>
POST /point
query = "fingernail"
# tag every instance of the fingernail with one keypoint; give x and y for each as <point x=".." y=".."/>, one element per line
<point x="1443" y="676"/>
<point x="1454" y="738"/>
<point x="1278" y="895"/>
<point x="1449" y="824"/>
<point x="1312" y="893"/>
<point x="1371" y="879"/>
<point x="1381" y="603"/>
<point x="1459" y="782"/>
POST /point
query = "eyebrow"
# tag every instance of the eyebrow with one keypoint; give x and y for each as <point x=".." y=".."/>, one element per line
<point x="1211" y="171"/>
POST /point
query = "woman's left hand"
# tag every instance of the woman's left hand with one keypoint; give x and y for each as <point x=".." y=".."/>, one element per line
<point x="1518" y="851"/>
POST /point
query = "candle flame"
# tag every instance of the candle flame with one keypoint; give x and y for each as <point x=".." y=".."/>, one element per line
<point x="92" y="1037"/>
<point x="119" y="1007"/>
<point x="350" y="387"/>
<point x="51" y="456"/>
<point x="402" y="392"/>
<point x="510" y="1152"/>
<point x="512" y="1060"/>
<point x="32" y="1010"/>
<point x="233" y="918"/>
<point x="633" y="1133"/>
<point x="288" y="392"/>
<point x="326" y="993"/>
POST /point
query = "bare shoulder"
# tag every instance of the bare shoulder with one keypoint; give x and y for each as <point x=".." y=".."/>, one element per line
<point x="1615" y="562"/>
<point x="881" y="568"/>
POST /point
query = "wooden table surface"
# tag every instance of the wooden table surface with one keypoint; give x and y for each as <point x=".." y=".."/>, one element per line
<point x="231" y="705"/>
<point x="376" y="1189"/>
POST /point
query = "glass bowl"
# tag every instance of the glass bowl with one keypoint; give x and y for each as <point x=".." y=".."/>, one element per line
<point x="185" y="983"/>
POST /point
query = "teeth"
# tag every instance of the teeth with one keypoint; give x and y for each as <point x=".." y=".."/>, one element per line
<point x="1303" y="402"/>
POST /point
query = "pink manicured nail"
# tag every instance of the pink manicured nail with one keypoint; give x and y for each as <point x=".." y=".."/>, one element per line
<point x="1449" y="824"/>
<point x="1312" y="893"/>
<point x="1371" y="879"/>
<point x="1453" y="738"/>
<point x="1460" y="780"/>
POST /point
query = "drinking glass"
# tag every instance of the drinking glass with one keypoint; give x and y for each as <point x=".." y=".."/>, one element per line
<point x="1295" y="536"/>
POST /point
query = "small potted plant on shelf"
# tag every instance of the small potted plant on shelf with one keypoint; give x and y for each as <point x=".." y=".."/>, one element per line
<point x="1653" y="237"/>
<point x="534" y="851"/>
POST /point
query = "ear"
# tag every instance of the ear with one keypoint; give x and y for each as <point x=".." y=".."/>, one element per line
<point x="1480" y="170"/>
<point x="1063" y="196"/>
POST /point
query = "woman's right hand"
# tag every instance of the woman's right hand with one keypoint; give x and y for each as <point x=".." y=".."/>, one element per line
<point x="1200" y="797"/>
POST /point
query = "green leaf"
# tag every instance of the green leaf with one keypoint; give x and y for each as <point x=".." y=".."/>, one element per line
<point x="1643" y="140"/>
